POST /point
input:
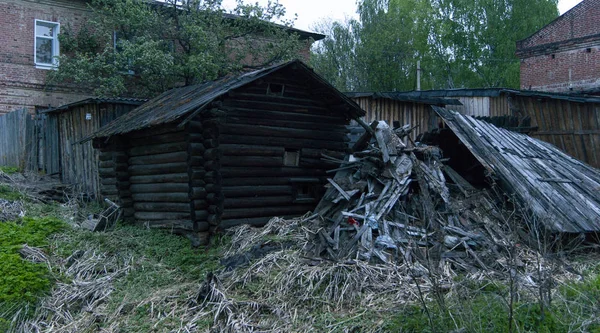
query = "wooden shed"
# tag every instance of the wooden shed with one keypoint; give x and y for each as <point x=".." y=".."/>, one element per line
<point x="240" y="149"/>
<point x="570" y="122"/>
<point x="63" y="129"/>
<point x="402" y="108"/>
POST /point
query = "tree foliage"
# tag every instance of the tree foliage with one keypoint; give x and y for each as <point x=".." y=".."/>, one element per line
<point x="141" y="48"/>
<point x="459" y="43"/>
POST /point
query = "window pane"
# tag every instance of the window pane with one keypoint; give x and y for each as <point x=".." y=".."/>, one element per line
<point x="43" y="29"/>
<point x="43" y="51"/>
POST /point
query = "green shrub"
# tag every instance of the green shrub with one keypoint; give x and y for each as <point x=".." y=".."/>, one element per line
<point x="9" y="170"/>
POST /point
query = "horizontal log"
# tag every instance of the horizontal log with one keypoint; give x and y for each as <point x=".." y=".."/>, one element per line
<point x="197" y="193"/>
<point x="215" y="209"/>
<point x="194" y="126"/>
<point x="105" y="156"/>
<point x="253" y="181"/>
<point x="213" y="165"/>
<point x="180" y="156"/>
<point x="163" y="138"/>
<point x="285" y="123"/>
<point x="201" y="226"/>
<point x="200" y="215"/>
<point x="154" y="131"/>
<point x="157" y="169"/>
<point x="120" y="157"/>
<point x="293" y="143"/>
<point x="306" y="162"/>
<point x="195" y="138"/>
<point x="233" y="213"/>
<point x="251" y="191"/>
<point x="154" y="216"/>
<point x="196" y="149"/>
<point x="197" y="173"/>
<point x="106" y="164"/>
<point x="106" y="172"/>
<point x="215" y="198"/>
<point x="317" y="153"/>
<point x="108" y="191"/>
<point x="161" y="178"/>
<point x="161" y="197"/>
<point x="284" y="132"/>
<point x="233" y="111"/>
<point x="157" y="149"/>
<point x="213" y="177"/>
<point x="171" y="225"/>
<point x="250" y="150"/>
<point x="125" y="197"/>
<point x="252" y="161"/>
<point x="212" y="188"/>
<point x="263" y="201"/>
<point x="212" y="154"/>
<point x="109" y="181"/>
<point x="239" y="172"/>
<point x="159" y="187"/>
<point x="200" y="204"/>
<point x="210" y="143"/>
<point x="197" y="183"/>
<point x="196" y="161"/>
<point x="210" y="133"/>
<point x="162" y="207"/>
<point x="255" y="222"/>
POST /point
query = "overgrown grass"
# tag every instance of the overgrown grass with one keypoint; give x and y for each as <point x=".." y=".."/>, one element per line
<point x="7" y="193"/>
<point x="9" y="170"/>
<point x="23" y="282"/>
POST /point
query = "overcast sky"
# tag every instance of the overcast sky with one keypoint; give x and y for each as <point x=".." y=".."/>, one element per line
<point x="311" y="11"/>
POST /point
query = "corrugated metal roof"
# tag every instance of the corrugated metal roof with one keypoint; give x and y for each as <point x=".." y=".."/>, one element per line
<point x="176" y="103"/>
<point x="562" y="192"/>
<point x="97" y="100"/>
<point x="482" y="92"/>
<point x="404" y="97"/>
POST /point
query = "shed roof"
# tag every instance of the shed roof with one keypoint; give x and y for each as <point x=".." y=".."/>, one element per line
<point x="97" y="100"/>
<point x="176" y="103"/>
<point x="478" y="92"/>
<point x="406" y="97"/>
<point x="562" y="192"/>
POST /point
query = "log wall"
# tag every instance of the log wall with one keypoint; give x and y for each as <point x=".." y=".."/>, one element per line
<point x="253" y="137"/>
<point x="158" y="180"/>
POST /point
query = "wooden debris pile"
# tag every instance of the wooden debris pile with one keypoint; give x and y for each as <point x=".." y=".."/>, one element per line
<point x="390" y="202"/>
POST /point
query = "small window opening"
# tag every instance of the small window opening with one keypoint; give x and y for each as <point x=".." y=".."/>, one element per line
<point x="275" y="89"/>
<point x="306" y="190"/>
<point x="291" y="157"/>
<point x="588" y="50"/>
<point x="553" y="56"/>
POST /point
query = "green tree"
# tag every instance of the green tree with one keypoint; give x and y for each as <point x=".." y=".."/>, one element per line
<point x="141" y="48"/>
<point x="459" y="43"/>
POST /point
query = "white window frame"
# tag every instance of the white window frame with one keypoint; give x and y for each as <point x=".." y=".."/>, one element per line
<point x="55" y="45"/>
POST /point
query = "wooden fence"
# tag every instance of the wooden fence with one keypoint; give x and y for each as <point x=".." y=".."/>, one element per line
<point x="19" y="140"/>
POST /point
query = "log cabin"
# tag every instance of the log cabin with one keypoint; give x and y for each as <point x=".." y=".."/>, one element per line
<point x="237" y="150"/>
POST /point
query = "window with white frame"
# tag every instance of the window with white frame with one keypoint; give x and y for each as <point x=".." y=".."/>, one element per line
<point x="46" y="43"/>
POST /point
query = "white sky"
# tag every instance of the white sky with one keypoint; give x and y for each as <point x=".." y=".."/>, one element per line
<point x="311" y="11"/>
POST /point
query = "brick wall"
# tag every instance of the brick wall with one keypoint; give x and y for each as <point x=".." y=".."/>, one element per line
<point x="564" y="56"/>
<point x="22" y="85"/>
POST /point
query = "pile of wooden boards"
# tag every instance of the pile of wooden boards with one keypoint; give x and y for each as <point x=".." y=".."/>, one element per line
<point x="390" y="202"/>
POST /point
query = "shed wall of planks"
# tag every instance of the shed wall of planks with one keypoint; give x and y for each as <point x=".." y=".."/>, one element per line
<point x="571" y="126"/>
<point x="79" y="162"/>
<point x="18" y="141"/>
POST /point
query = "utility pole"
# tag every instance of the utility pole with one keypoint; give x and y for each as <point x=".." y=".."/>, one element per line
<point x="418" y="75"/>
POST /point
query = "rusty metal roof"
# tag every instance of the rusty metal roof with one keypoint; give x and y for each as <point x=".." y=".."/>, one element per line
<point x="97" y="100"/>
<point x="562" y="192"/>
<point x="175" y="104"/>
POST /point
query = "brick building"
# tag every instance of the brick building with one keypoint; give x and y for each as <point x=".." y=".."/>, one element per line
<point x="29" y="43"/>
<point x="564" y="56"/>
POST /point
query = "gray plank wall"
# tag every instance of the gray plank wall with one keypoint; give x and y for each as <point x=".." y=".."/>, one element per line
<point x="18" y="143"/>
